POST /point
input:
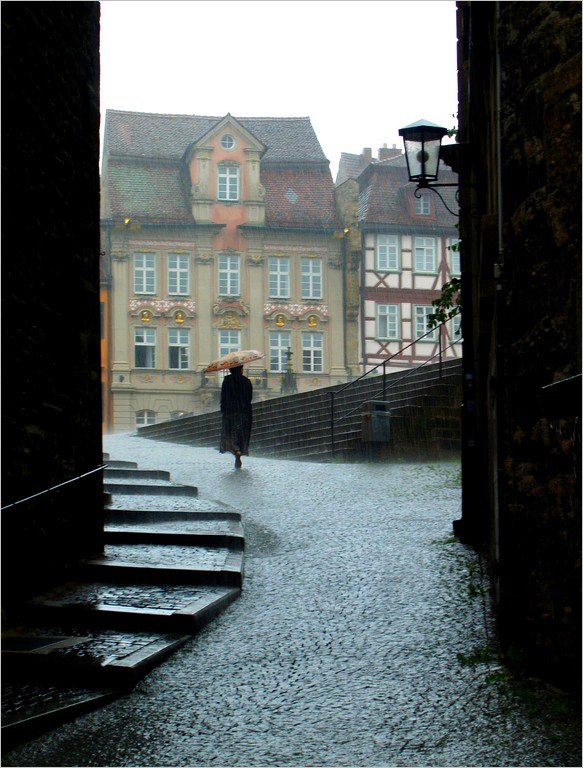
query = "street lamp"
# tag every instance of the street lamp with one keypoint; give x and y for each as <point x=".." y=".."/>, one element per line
<point x="423" y="152"/>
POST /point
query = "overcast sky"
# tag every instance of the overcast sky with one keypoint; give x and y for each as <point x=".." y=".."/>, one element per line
<point x="360" y="70"/>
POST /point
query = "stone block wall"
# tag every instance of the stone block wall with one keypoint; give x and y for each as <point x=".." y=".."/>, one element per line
<point x="51" y="395"/>
<point x="540" y="53"/>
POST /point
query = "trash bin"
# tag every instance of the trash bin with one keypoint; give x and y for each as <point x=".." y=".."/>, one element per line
<point x="376" y="422"/>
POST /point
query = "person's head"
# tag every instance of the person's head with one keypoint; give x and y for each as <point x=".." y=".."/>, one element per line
<point x="237" y="370"/>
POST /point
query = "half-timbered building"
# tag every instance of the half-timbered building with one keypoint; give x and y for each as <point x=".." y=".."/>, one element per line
<point x="409" y="250"/>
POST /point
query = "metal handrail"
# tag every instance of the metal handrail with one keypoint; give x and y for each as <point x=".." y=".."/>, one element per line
<point x="333" y="394"/>
<point x="55" y="487"/>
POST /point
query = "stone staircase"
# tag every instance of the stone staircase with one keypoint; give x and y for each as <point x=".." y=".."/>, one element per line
<point x="170" y="565"/>
<point x="416" y="414"/>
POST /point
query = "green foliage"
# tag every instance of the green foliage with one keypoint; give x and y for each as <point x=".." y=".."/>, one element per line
<point x="483" y="655"/>
<point x="448" y="305"/>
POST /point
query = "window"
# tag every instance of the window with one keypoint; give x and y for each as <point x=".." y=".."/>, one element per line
<point x="456" y="327"/>
<point x="424" y="254"/>
<point x="177" y="348"/>
<point x="279" y="343"/>
<point x="144" y="273"/>
<point x="387" y="253"/>
<point x="228" y="274"/>
<point x="227" y="141"/>
<point x="422" y="207"/>
<point x="228" y="183"/>
<point x="143" y="418"/>
<point x="145" y="347"/>
<point x="311" y="278"/>
<point x="454" y="256"/>
<point x="312" y="360"/>
<point x="229" y="341"/>
<point x="178" y="273"/>
<point x="422" y="313"/>
<point x="388" y="321"/>
<point x="278" y="277"/>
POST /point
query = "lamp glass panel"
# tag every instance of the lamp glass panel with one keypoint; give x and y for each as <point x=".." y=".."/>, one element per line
<point x="423" y="158"/>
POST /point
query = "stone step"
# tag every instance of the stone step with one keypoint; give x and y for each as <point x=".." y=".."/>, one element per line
<point x="132" y="606"/>
<point x="122" y="474"/>
<point x="157" y="489"/>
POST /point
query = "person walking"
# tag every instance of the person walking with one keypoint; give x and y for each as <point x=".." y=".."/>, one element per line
<point x="236" y="397"/>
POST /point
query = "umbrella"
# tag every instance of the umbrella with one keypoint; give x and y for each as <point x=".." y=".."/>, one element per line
<point x="233" y="359"/>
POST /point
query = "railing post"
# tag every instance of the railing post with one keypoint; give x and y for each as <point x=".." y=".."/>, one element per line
<point x="332" y="422"/>
<point x="384" y="379"/>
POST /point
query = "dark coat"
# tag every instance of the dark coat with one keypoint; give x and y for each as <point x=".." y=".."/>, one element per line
<point x="236" y="397"/>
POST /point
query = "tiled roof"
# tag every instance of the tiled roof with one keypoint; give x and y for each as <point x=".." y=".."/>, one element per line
<point x="145" y="176"/>
<point x="139" y="134"/>
<point x="147" y="193"/>
<point x="384" y="189"/>
<point x="349" y="167"/>
<point x="299" y="197"/>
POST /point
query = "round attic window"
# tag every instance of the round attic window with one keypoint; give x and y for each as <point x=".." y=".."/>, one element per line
<point x="227" y="141"/>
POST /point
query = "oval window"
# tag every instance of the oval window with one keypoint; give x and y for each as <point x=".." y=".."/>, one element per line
<point x="227" y="141"/>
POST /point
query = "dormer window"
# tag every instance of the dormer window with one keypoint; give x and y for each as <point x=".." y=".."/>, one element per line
<point x="227" y="141"/>
<point x="228" y="183"/>
<point x="422" y="207"/>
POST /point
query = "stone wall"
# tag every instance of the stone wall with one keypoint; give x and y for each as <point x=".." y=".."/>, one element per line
<point x="540" y="50"/>
<point x="51" y="404"/>
<point x="520" y="121"/>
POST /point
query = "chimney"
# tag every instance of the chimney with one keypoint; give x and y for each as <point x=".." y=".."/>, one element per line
<point x="385" y="153"/>
<point x="367" y="155"/>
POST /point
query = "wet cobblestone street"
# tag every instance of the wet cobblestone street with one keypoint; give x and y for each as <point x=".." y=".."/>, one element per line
<point x="361" y="637"/>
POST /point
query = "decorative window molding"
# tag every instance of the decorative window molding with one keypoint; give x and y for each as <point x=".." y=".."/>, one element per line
<point x="228" y="183"/>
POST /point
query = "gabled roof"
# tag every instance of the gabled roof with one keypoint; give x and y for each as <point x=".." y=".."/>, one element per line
<point x="349" y="167"/>
<point x="145" y="175"/>
<point x="385" y="192"/>
<point x="137" y="134"/>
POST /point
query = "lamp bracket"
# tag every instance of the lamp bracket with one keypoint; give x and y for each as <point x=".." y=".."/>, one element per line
<point x="426" y="185"/>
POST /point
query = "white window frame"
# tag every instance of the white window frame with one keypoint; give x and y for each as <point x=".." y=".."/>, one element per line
<point x="420" y="314"/>
<point x="279" y="343"/>
<point x="145" y="417"/>
<point x="311" y="278"/>
<point x="455" y="267"/>
<point x="229" y="341"/>
<point x="228" y="183"/>
<point x="312" y="353"/>
<point x="145" y="273"/>
<point x="422" y="205"/>
<point x="229" y="277"/>
<point x="388" y="253"/>
<point x="178" y="274"/>
<point x="178" y="347"/>
<point x="456" y="327"/>
<point x="227" y="141"/>
<point x="145" y="339"/>
<point x="425" y="254"/>
<point x="389" y="321"/>
<point x="278" y="277"/>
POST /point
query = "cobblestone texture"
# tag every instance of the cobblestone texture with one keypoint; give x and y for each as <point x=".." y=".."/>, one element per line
<point x="360" y="637"/>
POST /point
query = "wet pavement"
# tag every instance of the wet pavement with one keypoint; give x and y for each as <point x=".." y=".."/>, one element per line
<point x="363" y="636"/>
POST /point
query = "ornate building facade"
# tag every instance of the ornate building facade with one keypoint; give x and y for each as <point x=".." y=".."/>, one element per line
<point x="221" y="234"/>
